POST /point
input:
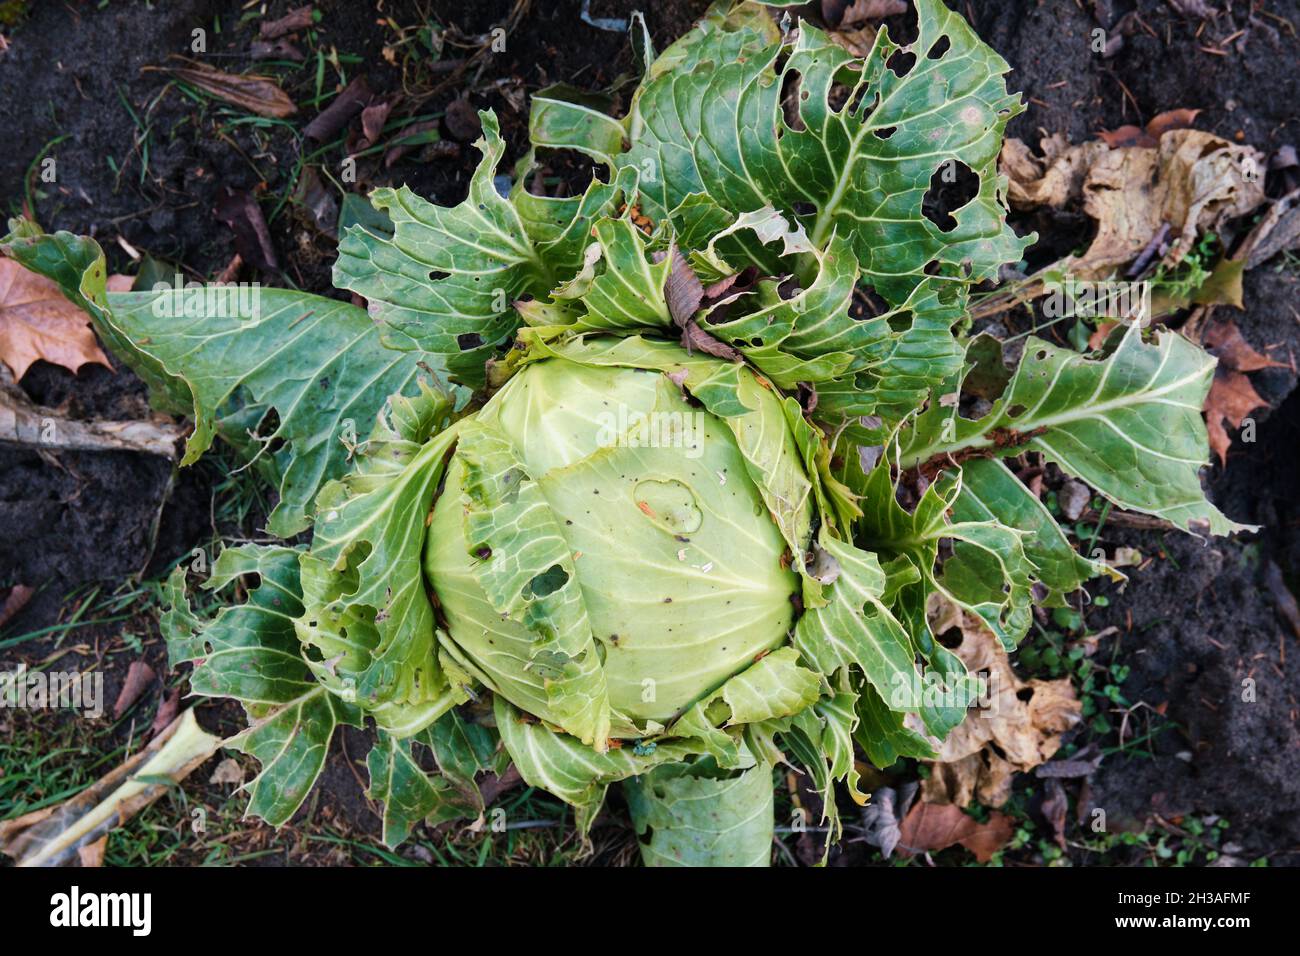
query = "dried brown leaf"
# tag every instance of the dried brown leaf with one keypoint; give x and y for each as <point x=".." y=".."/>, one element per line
<point x="1194" y="181"/>
<point x="240" y="211"/>
<point x="167" y="710"/>
<point x="373" y="118"/>
<point x="92" y="854"/>
<point x="695" y="338"/>
<point x="14" y="602"/>
<point x="138" y="677"/>
<point x="462" y="120"/>
<point x="38" y="322"/>
<point x="1073" y="497"/>
<point x="934" y="826"/>
<point x="847" y="13"/>
<point x="1230" y="400"/>
<point x="1055" y="807"/>
<point x="228" y="771"/>
<point x="318" y="201"/>
<point x="299" y="19"/>
<point x="1225" y="340"/>
<point x="1055" y="179"/>
<point x="1190" y="180"/>
<point x="351" y="100"/>
<point x="683" y="290"/>
<point x="257" y="94"/>
<point x="1018" y="729"/>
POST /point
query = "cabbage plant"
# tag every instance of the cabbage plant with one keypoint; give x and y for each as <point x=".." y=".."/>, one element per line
<point x="648" y="496"/>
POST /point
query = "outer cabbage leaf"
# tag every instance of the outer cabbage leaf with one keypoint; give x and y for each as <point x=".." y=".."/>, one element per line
<point x="990" y="492"/>
<point x="563" y="765"/>
<point x="685" y="817"/>
<point x="775" y="687"/>
<point x="367" y="615"/>
<point x="988" y="571"/>
<point x="855" y="628"/>
<point x="735" y="129"/>
<point x="1128" y="424"/>
<point x="714" y="124"/>
<point x="446" y="280"/>
<point x="314" y="366"/>
<point x="562" y="117"/>
<point x="410" y="794"/>
<point x="882" y="736"/>
<point x="401" y="786"/>
<point x="249" y="652"/>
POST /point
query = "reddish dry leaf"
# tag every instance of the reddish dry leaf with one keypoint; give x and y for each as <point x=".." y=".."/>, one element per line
<point x="1225" y="340"/>
<point x="1055" y="807"/>
<point x="1159" y="125"/>
<point x="683" y="290"/>
<point x="1099" y="335"/>
<point x="257" y="94"/>
<point x="351" y="101"/>
<point x="239" y="210"/>
<point x="935" y="826"/>
<point x="843" y="13"/>
<point x="373" y="118"/>
<point x="15" y="601"/>
<point x="299" y="19"/>
<point x="1231" y="399"/>
<point x="231" y="271"/>
<point x="695" y="338"/>
<point x="1127" y="135"/>
<point x="138" y="676"/>
<point x="92" y="854"/>
<point x="38" y="322"/>
<point x="1162" y="123"/>
<point x="167" y="711"/>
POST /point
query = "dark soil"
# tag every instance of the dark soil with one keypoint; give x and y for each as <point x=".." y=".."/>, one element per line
<point x="1193" y="624"/>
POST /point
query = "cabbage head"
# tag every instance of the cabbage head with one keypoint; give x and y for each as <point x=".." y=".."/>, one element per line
<point x="660" y="527"/>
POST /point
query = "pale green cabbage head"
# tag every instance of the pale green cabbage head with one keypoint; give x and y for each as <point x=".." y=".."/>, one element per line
<point x="683" y="573"/>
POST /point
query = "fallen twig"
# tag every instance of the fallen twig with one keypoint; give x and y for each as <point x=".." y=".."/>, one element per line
<point x="23" y="423"/>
